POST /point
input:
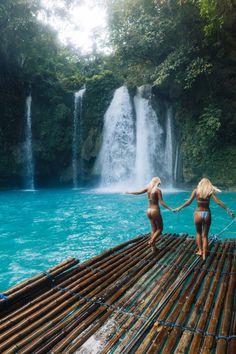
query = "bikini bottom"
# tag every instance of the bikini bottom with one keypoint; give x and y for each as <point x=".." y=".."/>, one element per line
<point x="204" y="214"/>
<point x="152" y="209"/>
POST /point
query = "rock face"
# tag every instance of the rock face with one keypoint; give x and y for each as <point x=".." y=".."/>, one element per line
<point x="52" y="129"/>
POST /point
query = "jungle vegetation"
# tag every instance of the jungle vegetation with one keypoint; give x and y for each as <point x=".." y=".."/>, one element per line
<point x="185" y="49"/>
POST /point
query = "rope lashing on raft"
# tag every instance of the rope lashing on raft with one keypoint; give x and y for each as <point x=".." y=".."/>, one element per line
<point x="129" y="349"/>
<point x="216" y="236"/>
<point x="144" y="318"/>
<point x="3" y="297"/>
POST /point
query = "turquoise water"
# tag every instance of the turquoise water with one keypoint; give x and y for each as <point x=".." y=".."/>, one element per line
<point x="42" y="228"/>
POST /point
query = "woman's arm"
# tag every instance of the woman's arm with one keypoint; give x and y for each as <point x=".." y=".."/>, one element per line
<point x="162" y="201"/>
<point x="138" y="192"/>
<point x="219" y="202"/>
<point x="188" y="202"/>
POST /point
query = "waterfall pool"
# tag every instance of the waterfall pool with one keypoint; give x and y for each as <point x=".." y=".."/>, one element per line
<point x="42" y="228"/>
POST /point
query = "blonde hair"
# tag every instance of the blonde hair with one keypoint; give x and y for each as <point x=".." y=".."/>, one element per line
<point x="155" y="182"/>
<point x="205" y="188"/>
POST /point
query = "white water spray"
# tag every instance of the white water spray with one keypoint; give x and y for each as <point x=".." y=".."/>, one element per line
<point x="131" y="154"/>
<point x="117" y="154"/>
<point x="77" y="133"/>
<point x="168" y="153"/>
<point x="148" y="140"/>
<point x="28" y="153"/>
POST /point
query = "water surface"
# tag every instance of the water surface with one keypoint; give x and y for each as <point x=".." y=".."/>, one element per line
<point x="42" y="228"/>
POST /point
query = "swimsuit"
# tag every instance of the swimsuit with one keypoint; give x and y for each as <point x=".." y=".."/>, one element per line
<point x="203" y="214"/>
<point x="151" y="209"/>
<point x="203" y="201"/>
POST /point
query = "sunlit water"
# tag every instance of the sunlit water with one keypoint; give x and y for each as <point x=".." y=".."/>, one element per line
<point x="42" y="228"/>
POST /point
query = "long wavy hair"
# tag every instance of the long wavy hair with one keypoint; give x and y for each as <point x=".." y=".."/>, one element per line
<point x="154" y="184"/>
<point x="205" y="188"/>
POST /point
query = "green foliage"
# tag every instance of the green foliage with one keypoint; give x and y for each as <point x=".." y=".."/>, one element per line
<point x="209" y="11"/>
<point x="208" y="127"/>
<point x="185" y="49"/>
<point x="99" y="91"/>
<point x="201" y="141"/>
<point x="196" y="69"/>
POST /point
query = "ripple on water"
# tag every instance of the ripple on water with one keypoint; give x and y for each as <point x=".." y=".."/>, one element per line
<point x="39" y="230"/>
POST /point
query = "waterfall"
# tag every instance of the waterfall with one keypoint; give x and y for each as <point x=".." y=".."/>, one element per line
<point x="149" y="136"/>
<point x="176" y="164"/>
<point x="137" y="145"/>
<point x="28" y="153"/>
<point x="77" y="134"/>
<point x="169" y="146"/>
<point x="117" y="154"/>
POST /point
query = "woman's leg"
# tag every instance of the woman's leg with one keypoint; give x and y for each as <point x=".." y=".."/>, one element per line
<point x="159" y="226"/>
<point x="153" y="226"/>
<point x="206" y="229"/>
<point x="198" y="225"/>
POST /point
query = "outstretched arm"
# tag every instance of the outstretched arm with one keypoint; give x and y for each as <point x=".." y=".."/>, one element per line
<point x="219" y="202"/>
<point x="161" y="200"/>
<point x="138" y="192"/>
<point x="188" y="202"/>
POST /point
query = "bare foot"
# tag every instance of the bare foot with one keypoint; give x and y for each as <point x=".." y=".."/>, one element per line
<point x="199" y="253"/>
<point x="205" y="254"/>
<point x="154" y="249"/>
<point x="152" y="244"/>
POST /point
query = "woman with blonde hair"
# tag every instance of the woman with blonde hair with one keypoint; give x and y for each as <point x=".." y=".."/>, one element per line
<point x="153" y="212"/>
<point x="202" y="216"/>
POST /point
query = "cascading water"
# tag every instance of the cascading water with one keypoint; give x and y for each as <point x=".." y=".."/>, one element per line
<point x="28" y="153"/>
<point x="77" y="133"/>
<point x="149" y="136"/>
<point x="131" y="154"/>
<point x="176" y="167"/>
<point x="116" y="158"/>
<point x="168" y="153"/>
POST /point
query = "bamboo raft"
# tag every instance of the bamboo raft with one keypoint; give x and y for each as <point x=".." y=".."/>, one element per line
<point x="127" y="300"/>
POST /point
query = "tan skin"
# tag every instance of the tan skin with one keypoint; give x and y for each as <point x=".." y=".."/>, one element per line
<point x="203" y="226"/>
<point x="154" y="215"/>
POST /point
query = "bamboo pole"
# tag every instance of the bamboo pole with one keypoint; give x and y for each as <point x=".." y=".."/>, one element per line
<point x="232" y="343"/>
<point x="227" y="313"/>
<point x="128" y="321"/>
<point x="216" y="313"/>
<point x="65" y="344"/>
<point x="159" y="333"/>
<point x="64" y="322"/>
<point x="91" y="261"/>
<point x="138" y="289"/>
<point x="184" y="305"/>
<point x="168" y="280"/>
<point x="63" y="305"/>
<point x="53" y="270"/>
<point x="25" y="292"/>
<point x="198" y="336"/>
<point x="93" y="311"/>
<point x="40" y="301"/>
<point x="87" y="283"/>
<point x="187" y="335"/>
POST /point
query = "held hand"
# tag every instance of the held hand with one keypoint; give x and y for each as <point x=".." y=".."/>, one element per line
<point x="176" y="210"/>
<point x="230" y="213"/>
